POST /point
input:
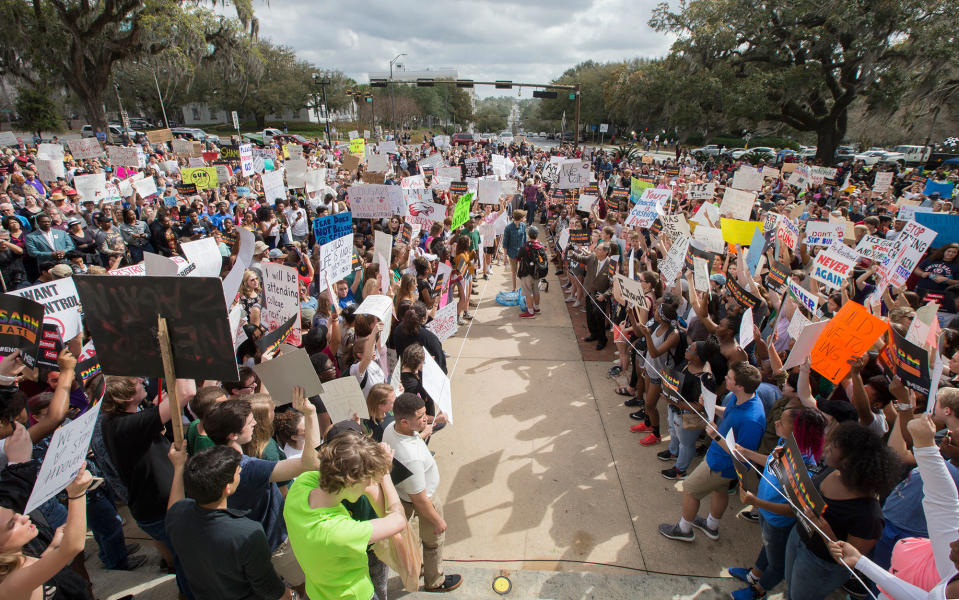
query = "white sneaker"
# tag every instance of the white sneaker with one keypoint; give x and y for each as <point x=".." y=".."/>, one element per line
<point x="571" y="299"/>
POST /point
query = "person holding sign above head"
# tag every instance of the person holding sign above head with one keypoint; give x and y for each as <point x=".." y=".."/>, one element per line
<point x="24" y="576"/>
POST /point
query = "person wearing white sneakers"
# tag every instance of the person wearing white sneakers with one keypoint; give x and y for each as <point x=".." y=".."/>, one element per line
<point x="533" y="265"/>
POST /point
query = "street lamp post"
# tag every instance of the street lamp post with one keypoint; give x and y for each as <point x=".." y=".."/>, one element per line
<point x="369" y="98"/>
<point x="323" y="81"/>
<point x="392" y="96"/>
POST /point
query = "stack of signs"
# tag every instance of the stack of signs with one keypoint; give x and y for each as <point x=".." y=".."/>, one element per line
<point x="905" y="254"/>
<point x="834" y="265"/>
<point x="824" y="233"/>
<point x="21" y="322"/>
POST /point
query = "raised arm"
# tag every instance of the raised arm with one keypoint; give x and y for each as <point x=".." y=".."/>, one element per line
<point x="288" y="469"/>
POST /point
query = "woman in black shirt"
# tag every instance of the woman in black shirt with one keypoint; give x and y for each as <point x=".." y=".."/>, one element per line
<point x="411" y="331"/>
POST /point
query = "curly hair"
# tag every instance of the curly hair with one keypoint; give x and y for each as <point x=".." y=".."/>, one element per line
<point x="350" y="458"/>
<point x="867" y="465"/>
<point x="285" y="425"/>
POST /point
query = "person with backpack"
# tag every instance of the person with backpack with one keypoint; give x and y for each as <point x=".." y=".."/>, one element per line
<point x="514" y="236"/>
<point x="664" y="342"/>
<point x="533" y="265"/>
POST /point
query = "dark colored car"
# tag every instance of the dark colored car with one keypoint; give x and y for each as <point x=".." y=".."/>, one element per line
<point x="466" y="138"/>
<point x="290" y="138"/>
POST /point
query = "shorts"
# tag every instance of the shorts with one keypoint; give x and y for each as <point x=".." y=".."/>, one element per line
<point x="286" y="566"/>
<point x="488" y="250"/>
<point x="703" y="481"/>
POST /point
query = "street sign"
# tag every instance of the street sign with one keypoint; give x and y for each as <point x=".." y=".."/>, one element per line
<point x="604" y="127"/>
<point x="236" y="121"/>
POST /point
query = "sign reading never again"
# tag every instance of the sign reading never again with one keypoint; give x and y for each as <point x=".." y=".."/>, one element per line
<point x="121" y="314"/>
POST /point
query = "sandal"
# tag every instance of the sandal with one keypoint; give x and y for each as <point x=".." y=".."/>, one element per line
<point x="624" y="391"/>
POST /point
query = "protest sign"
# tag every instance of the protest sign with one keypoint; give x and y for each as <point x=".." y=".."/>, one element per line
<point x="564" y="239"/>
<point x="748" y="178"/>
<point x="944" y="188"/>
<point x="145" y="187"/>
<point x="908" y="361"/>
<point x="127" y="156"/>
<point x="632" y="292"/>
<point x="205" y="254"/>
<point x="343" y="398"/>
<point x="49" y="170"/>
<point x="433" y="161"/>
<point x="159" y="136"/>
<point x="646" y="210"/>
<point x="770" y="172"/>
<point x="739" y="232"/>
<point x="246" y="160"/>
<point x="50" y="346"/>
<point x="331" y="227"/>
<point x="336" y="259"/>
<point x="882" y="182"/>
<point x="383" y="245"/>
<point x="800" y="177"/>
<point x="851" y="332"/>
<point x="60" y="303"/>
<point x="944" y="224"/>
<point x="380" y="307"/>
<point x="675" y="259"/>
<point x="737" y="204"/>
<point x="91" y="187"/>
<point x="437" y="384"/>
<point x="281" y="289"/>
<point x="65" y="456"/>
<point x="370" y="201"/>
<point x="824" y="233"/>
<point x="296" y="173"/>
<point x="488" y="191"/>
<point x="700" y="191"/>
<point x="756" y="247"/>
<point x="455" y="172"/>
<point x="444" y="323"/>
<point x="573" y="174"/>
<point x="675" y="226"/>
<point x="797" y="324"/>
<point x="273" y="187"/>
<point x="701" y="274"/>
<point x="377" y="163"/>
<point x="586" y="202"/>
<point x="426" y="213"/>
<point x="834" y="265"/>
<point x="289" y="370"/>
<point x="461" y="213"/>
<point x="711" y="237"/>
<point x="85" y="148"/>
<point x="21" y="321"/>
<point x="804" y="343"/>
<point x="907" y="212"/>
<point x="906" y="252"/>
<point x="777" y="276"/>
<point x="746" y="333"/>
<point x="874" y="247"/>
<point x="7" y="138"/>
<point x="740" y="294"/>
<point x="358" y="148"/>
<point x="793" y="474"/>
<point x="818" y="174"/>
<point x="120" y="313"/>
<point x="205" y="178"/>
<point x="787" y="232"/>
<point x="387" y="147"/>
<point x="802" y="296"/>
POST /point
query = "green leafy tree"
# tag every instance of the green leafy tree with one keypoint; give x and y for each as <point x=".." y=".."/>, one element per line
<point x="810" y="59"/>
<point x="37" y="111"/>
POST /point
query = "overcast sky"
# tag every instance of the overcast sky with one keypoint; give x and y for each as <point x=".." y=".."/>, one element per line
<point x="531" y="41"/>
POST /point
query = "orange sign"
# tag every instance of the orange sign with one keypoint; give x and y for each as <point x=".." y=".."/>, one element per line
<point x="850" y="333"/>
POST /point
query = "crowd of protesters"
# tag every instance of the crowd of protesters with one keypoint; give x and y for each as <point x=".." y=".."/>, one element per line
<point x="268" y="498"/>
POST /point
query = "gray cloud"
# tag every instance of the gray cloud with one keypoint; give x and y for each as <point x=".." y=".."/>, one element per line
<point x="531" y="40"/>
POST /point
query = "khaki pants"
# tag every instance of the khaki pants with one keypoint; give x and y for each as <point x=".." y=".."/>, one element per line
<point x="286" y="565"/>
<point x="432" y="544"/>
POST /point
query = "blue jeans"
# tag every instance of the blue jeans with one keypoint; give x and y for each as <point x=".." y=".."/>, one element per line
<point x="157" y="530"/>
<point x="682" y="442"/>
<point x="103" y="520"/>
<point x="772" y="557"/>
<point x="809" y="577"/>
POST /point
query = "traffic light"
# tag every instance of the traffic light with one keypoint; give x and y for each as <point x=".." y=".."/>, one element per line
<point x="424" y="83"/>
<point x="504" y="85"/>
<point x="378" y="83"/>
<point x="543" y="94"/>
<point x="464" y="83"/>
<point x="572" y="95"/>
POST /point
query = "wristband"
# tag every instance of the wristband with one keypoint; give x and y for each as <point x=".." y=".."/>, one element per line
<point x="903" y="406"/>
<point x="6" y="380"/>
<point x="84" y="493"/>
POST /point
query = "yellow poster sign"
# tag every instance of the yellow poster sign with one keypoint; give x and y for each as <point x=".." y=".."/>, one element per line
<point x="739" y="232"/>
<point x="204" y="177"/>
<point x="358" y="147"/>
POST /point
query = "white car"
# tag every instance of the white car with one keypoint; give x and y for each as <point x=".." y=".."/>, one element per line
<point x="870" y="157"/>
<point x="807" y="152"/>
<point x="506" y="137"/>
<point x="741" y="152"/>
<point x="542" y="134"/>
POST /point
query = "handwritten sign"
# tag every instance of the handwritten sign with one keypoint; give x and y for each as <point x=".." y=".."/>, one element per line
<point x="737" y="204"/>
<point x="281" y="289"/>
<point x="701" y="191"/>
<point x="748" y="178"/>
<point x="573" y="174"/>
<point x="906" y="252"/>
<point x="824" y="233"/>
<point x="331" y="227"/>
<point x="371" y="201"/>
<point x="336" y="259"/>
<point x="461" y="213"/>
<point x="85" y="148"/>
<point x="834" y="265"/>
<point x="444" y="323"/>
<point x="205" y="178"/>
<point x="851" y="332"/>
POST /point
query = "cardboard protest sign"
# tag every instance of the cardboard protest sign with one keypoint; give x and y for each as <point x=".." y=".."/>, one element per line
<point x="770" y="173"/>
<point x="60" y="303"/>
<point x="792" y="473"/>
<point x="701" y="274"/>
<point x="675" y="226"/>
<point x="281" y="289"/>
<point x="343" y="398"/>
<point x="824" y="233"/>
<point x="158" y="136"/>
<point x="797" y="324"/>
<point x="833" y="266"/>
<point x="804" y="343"/>
<point x="370" y="201"/>
<point x="748" y="178"/>
<point x="49" y="170"/>
<point x="906" y="252"/>
<point x="380" y="307"/>
<point x="91" y="187"/>
<point x="461" y="213"/>
<point x="711" y="237"/>
<point x="377" y="163"/>
<point x="121" y="314"/>
<point x="85" y="148"/>
<point x="127" y="156"/>
<point x="672" y="265"/>
<point x="801" y="177"/>
<point x="145" y="187"/>
<point x="331" y="227"/>
<point x="205" y="178"/>
<point x="205" y="254"/>
<point x="65" y="456"/>
<point x="632" y="292"/>
<point x="851" y="332"/>
<point x="573" y="174"/>
<point x="488" y="191"/>
<point x="740" y="294"/>
<point x="882" y="182"/>
<point x="738" y="232"/>
<point x="289" y="370"/>
<point x="701" y="191"/>
<point x="737" y="204"/>
<point x="21" y="321"/>
<point x="437" y="384"/>
<point x="444" y="323"/>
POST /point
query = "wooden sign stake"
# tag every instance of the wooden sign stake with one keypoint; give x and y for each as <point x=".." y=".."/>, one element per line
<point x="169" y="375"/>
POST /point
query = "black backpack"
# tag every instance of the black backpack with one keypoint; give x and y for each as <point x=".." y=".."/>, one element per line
<point x="537" y="262"/>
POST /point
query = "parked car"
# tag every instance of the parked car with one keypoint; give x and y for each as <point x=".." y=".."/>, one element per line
<point x="115" y="133"/>
<point x="506" y="137"/>
<point x="734" y="153"/>
<point x="290" y="138"/>
<point x="908" y="155"/>
<point x="738" y="153"/>
<point x="807" y="153"/>
<point x="711" y="150"/>
<point x="844" y="153"/>
<point x="870" y="157"/>
<point x="542" y="134"/>
<point x="488" y="137"/>
<point x="467" y="138"/>
<point x="196" y="134"/>
<point x="567" y="137"/>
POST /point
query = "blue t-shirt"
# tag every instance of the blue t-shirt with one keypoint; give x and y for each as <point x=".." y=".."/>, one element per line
<point x="903" y="507"/>
<point x="748" y="422"/>
<point x="261" y="497"/>
<point x="770" y="492"/>
<point x="769" y="394"/>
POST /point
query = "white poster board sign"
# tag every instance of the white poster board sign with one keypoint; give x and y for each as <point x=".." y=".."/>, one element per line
<point x="281" y="289"/>
<point x="343" y="398"/>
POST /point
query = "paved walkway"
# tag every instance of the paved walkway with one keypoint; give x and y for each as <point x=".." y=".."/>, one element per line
<point x="541" y="476"/>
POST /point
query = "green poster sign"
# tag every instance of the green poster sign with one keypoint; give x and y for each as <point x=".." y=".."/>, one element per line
<point x="461" y="213"/>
